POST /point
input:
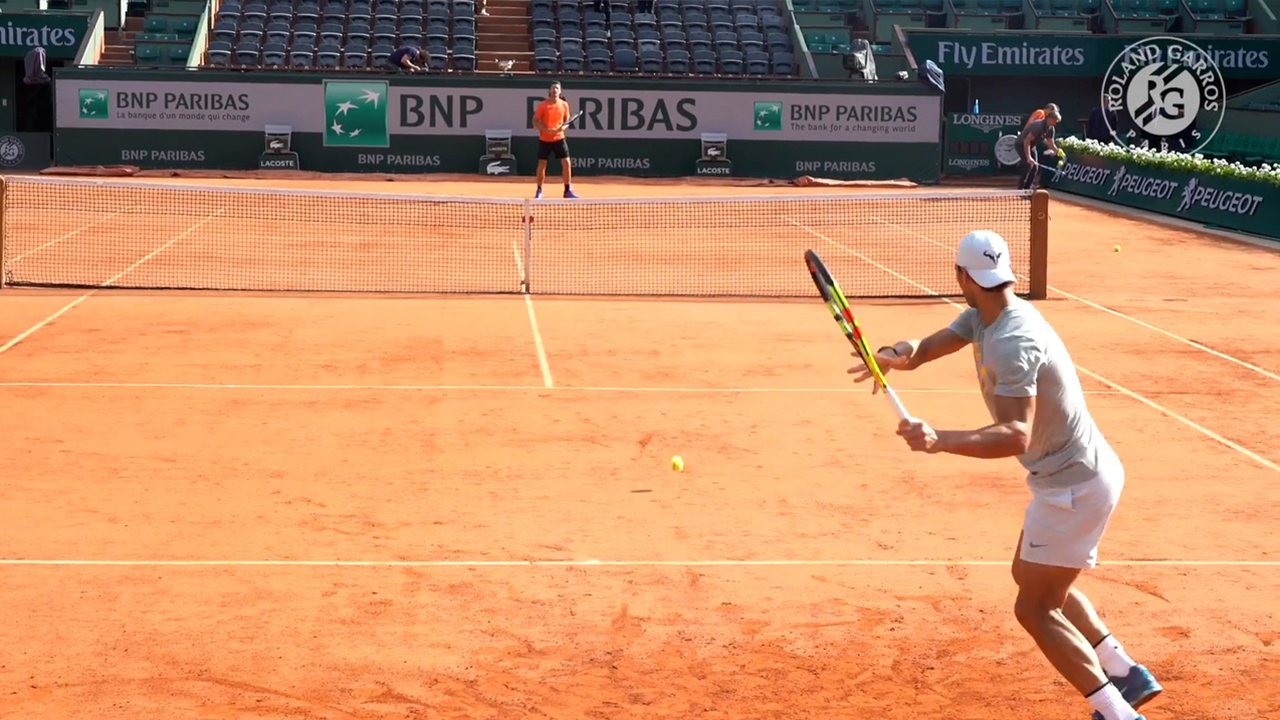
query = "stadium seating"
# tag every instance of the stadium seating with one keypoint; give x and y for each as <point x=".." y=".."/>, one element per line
<point x="350" y="34"/>
<point x="720" y="37"/>
<point x="705" y="37"/>
<point x="1245" y="148"/>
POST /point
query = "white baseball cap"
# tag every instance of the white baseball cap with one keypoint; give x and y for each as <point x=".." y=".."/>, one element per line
<point x="985" y="256"/>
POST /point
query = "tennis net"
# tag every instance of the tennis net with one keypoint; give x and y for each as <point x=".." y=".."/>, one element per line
<point x="132" y="234"/>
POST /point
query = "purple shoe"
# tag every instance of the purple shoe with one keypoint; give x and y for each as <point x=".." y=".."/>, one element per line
<point x="569" y="193"/>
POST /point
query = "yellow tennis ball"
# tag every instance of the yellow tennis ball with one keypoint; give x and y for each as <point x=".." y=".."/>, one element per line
<point x="1117" y="248"/>
<point x="677" y="463"/>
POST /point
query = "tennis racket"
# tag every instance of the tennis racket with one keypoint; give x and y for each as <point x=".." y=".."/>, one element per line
<point x="571" y="120"/>
<point x="839" y="306"/>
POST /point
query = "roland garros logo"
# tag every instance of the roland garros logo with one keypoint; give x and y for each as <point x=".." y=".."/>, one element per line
<point x="1167" y="93"/>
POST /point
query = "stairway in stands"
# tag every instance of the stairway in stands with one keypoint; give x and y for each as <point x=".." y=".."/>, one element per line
<point x="504" y="35"/>
<point x="117" y="48"/>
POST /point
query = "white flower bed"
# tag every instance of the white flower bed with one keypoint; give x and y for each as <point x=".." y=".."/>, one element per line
<point x="1173" y="161"/>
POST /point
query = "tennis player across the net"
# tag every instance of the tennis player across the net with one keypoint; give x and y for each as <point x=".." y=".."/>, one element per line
<point x="551" y="119"/>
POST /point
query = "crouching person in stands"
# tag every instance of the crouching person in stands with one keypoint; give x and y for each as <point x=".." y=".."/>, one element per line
<point x="406" y="59"/>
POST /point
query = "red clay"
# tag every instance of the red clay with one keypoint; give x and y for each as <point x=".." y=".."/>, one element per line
<point x="415" y="429"/>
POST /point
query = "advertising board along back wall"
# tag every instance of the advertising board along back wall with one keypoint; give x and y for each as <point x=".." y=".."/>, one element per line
<point x="375" y="124"/>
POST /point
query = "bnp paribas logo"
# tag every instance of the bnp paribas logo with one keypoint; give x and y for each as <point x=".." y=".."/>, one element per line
<point x="768" y="115"/>
<point x="94" y="105"/>
<point x="355" y="113"/>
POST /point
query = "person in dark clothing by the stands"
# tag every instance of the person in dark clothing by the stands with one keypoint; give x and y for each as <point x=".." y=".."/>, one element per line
<point x="404" y="59"/>
<point x="1036" y="132"/>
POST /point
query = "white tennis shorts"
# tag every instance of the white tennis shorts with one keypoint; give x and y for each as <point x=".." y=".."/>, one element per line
<point x="1063" y="526"/>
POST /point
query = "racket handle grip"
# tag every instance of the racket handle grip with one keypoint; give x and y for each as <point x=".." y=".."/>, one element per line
<point x="897" y="404"/>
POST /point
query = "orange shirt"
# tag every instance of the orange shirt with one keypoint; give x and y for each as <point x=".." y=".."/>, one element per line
<point x="1037" y="115"/>
<point x="552" y="113"/>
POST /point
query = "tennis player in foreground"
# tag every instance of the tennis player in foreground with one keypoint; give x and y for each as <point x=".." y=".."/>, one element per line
<point x="1033" y="393"/>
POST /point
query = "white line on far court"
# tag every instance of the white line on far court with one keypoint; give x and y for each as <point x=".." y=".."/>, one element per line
<point x="603" y="563"/>
<point x="1120" y="388"/>
<point x="71" y="234"/>
<point x="500" y="388"/>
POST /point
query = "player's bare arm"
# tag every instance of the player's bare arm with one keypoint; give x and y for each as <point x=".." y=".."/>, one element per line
<point x="911" y="354"/>
<point x="1009" y="436"/>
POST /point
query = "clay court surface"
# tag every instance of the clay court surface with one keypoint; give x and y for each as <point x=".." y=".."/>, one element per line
<point x="279" y="505"/>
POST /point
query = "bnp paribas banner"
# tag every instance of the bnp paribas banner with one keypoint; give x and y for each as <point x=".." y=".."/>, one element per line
<point x="371" y="113"/>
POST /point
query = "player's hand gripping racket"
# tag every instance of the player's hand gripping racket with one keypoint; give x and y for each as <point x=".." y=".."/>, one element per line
<point x="571" y="120"/>
<point x="839" y="306"/>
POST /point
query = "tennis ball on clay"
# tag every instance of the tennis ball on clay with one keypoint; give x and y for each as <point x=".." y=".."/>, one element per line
<point x="1117" y="248"/>
<point x="677" y="463"/>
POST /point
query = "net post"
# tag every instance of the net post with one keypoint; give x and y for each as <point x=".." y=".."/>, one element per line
<point x="4" y="257"/>
<point x="1040" y="245"/>
<point x="528" y="243"/>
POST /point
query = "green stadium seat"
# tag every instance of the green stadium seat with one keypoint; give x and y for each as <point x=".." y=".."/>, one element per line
<point x="1168" y="8"/>
<point x="1063" y="7"/>
<point x="146" y="54"/>
<point x="1139" y="8"/>
<point x="820" y="48"/>
<point x="1235" y="9"/>
<point x="155" y="24"/>
<point x="185" y="28"/>
<point x="989" y="7"/>
<point x="1206" y="9"/>
<point x="1091" y="7"/>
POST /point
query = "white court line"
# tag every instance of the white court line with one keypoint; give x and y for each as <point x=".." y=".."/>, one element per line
<point x="1175" y="336"/>
<point x="31" y="330"/>
<point x="73" y="233"/>
<point x="1123" y="390"/>
<point x="603" y="563"/>
<point x="862" y="257"/>
<point x="533" y="322"/>
<point x="504" y="388"/>
<point x="1156" y="406"/>
<point x="1117" y="313"/>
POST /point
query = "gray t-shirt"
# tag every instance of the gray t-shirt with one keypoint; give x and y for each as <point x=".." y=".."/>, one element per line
<point x="1020" y="355"/>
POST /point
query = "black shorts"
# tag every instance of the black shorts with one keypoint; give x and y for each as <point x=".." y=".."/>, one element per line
<point x="559" y="148"/>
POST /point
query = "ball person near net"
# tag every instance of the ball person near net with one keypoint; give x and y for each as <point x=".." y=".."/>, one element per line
<point x="1035" y="133"/>
<point x="549" y="120"/>
<point x="1032" y="391"/>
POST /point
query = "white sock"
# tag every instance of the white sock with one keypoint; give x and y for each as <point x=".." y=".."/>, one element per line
<point x="1108" y="701"/>
<point x="1115" y="661"/>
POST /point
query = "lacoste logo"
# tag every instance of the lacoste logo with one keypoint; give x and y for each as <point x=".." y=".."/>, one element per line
<point x="995" y="257"/>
